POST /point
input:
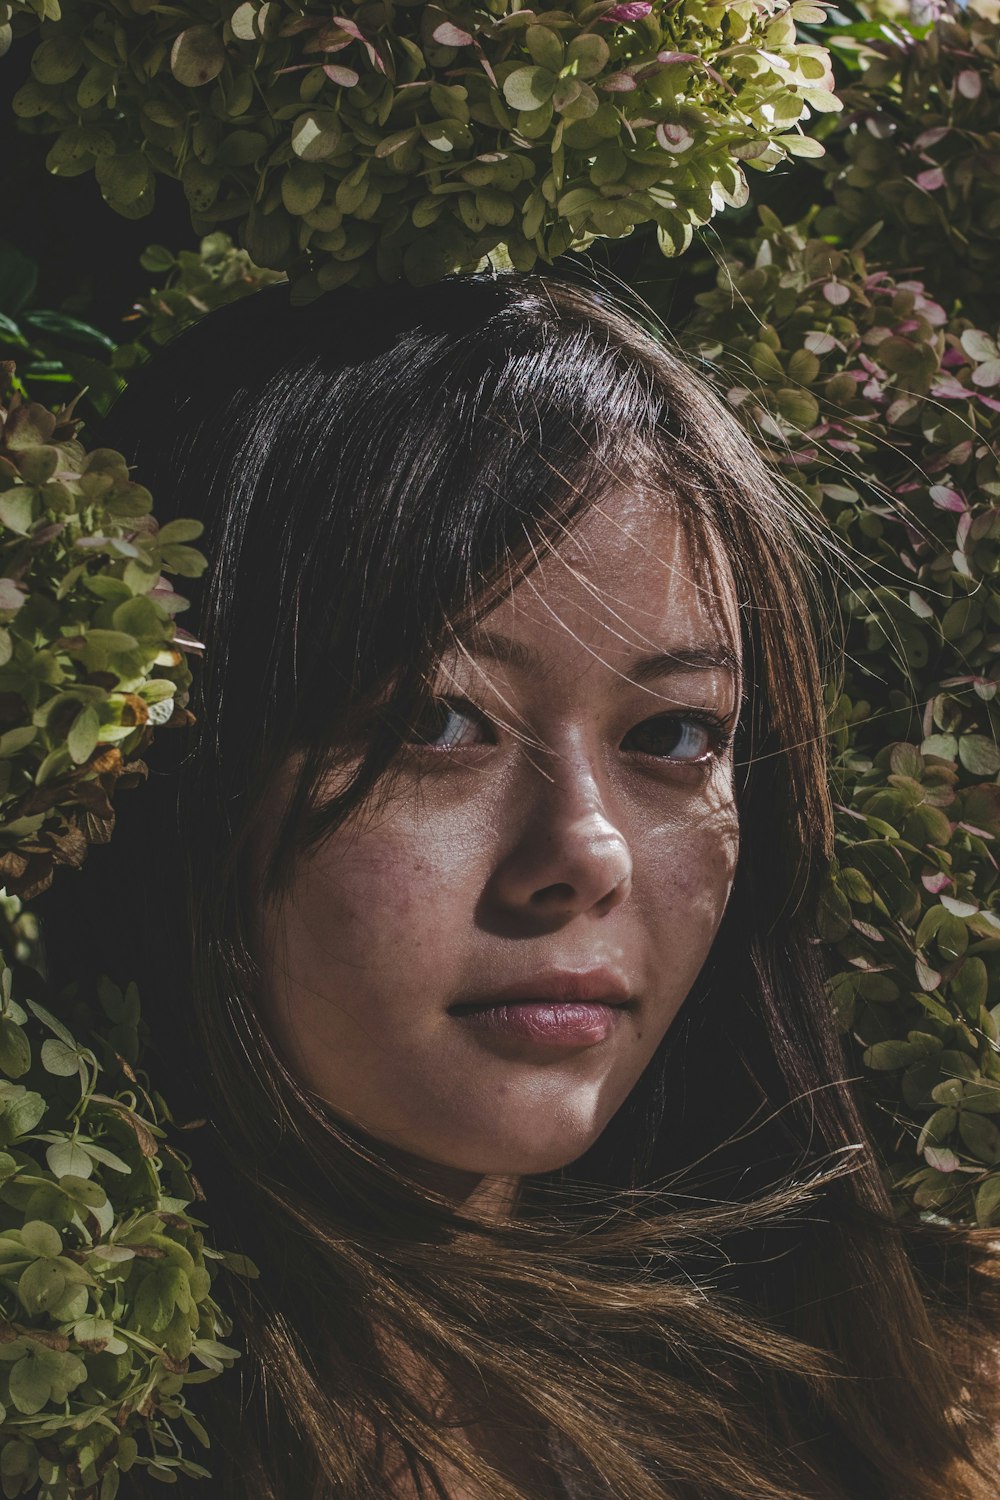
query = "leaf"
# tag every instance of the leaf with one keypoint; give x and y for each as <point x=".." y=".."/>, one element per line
<point x="48" y="1019"/>
<point x="886" y="1056"/>
<point x="41" y="1286"/>
<point x="17" y="509"/>
<point x="41" y="1238"/>
<point x="21" y="1111"/>
<point x="528" y="88"/>
<point x="67" y="1158"/>
<point x="979" y="754"/>
<point x="981" y="1137"/>
<point x="15" y="1049"/>
<point x="197" y="56"/>
<point x="59" y="1059"/>
<point x="316" y="135"/>
<point x="83" y="735"/>
<point x="30" y="1384"/>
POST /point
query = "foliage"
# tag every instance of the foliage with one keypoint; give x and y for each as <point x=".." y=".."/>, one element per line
<point x="106" y="1307"/>
<point x="397" y="139"/>
<point x="106" y="1312"/>
<point x="60" y="355"/>
<point x="885" y="410"/>
<point x="57" y="354"/>
<point x="90" y="656"/>
<point x="195" y="282"/>
<point x="920" y="153"/>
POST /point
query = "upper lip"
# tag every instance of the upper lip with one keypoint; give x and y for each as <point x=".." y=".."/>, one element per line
<point x="562" y="986"/>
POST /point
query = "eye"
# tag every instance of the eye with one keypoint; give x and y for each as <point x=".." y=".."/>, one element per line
<point x="449" y="724"/>
<point x="689" y="738"/>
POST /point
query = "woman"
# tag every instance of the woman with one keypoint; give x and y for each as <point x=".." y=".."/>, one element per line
<point x="481" y="930"/>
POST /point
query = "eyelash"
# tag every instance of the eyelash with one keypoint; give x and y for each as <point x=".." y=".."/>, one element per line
<point x="721" y="735"/>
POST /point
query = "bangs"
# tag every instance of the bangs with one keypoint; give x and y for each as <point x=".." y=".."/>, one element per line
<point x="489" y="449"/>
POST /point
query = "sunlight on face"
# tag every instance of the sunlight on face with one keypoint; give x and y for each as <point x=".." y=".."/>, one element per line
<point x="478" y="975"/>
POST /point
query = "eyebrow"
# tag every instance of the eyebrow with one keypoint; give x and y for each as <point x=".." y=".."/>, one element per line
<point x="710" y="656"/>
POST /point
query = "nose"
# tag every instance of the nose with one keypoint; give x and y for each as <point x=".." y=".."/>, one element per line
<point x="571" y="856"/>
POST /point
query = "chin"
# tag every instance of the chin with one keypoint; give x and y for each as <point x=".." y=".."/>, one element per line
<point x="525" y="1158"/>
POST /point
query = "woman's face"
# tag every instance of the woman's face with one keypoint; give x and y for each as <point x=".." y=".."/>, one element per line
<point x="561" y="837"/>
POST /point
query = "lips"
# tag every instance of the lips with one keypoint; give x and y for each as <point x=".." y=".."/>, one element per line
<point x="600" y="986"/>
<point x="555" y="1010"/>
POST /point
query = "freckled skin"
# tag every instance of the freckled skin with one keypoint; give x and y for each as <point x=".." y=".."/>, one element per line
<point x="543" y="841"/>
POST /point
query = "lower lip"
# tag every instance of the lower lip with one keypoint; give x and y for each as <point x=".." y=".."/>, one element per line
<point x="569" y="1024"/>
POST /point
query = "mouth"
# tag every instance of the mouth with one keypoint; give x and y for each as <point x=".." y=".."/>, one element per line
<point x="564" y="1009"/>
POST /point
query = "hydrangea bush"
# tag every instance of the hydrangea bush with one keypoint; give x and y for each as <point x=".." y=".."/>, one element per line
<point x="397" y="139"/>
<point x="885" y="409"/>
<point x="918" y="155"/>
<point x="91" y="658"/>
<point x="106" y="1306"/>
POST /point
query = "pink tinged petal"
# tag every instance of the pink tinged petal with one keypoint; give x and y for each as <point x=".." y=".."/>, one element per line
<point x="619" y="83"/>
<point x="821" y="343"/>
<point x="351" y="27"/>
<point x="897" y="411"/>
<point x="946" y="499"/>
<point x="953" y="359"/>
<point x="990" y="402"/>
<point x="988" y="373"/>
<point x="969" y="83"/>
<point x="346" y="77"/>
<point x="450" y="35"/>
<point x="185" y="641"/>
<point x="11" y="597"/>
<point x="980" y="833"/>
<point x="931" y="137"/>
<point x="676" y="57"/>
<point x="963" y="528"/>
<point x="842" y="445"/>
<point x="941" y="1158"/>
<point x="950" y="390"/>
<point x="930" y="180"/>
<point x="484" y="60"/>
<point x="836" y="292"/>
<point x="935" y="883"/>
<point x="675" y="138"/>
<point x="627" y="12"/>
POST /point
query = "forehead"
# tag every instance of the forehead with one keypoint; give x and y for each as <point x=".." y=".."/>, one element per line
<point x="630" y="577"/>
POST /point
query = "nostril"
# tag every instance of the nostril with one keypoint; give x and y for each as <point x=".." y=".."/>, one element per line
<point x="553" y="895"/>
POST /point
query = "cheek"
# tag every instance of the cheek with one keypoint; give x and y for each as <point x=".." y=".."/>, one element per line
<point x="381" y="904"/>
<point x="685" y="867"/>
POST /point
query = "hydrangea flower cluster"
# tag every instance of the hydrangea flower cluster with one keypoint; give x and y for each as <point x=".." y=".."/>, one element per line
<point x="382" y="140"/>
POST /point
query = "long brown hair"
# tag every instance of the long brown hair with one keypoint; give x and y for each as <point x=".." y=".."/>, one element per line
<point x="714" y="1301"/>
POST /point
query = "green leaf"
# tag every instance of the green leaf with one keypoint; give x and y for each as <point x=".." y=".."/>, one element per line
<point x="67" y="1158"/>
<point x="981" y="1137"/>
<point x="528" y="88"/>
<point x="17" y="509"/>
<point x="979" y="754"/>
<point x="316" y="135"/>
<point x="41" y="1286"/>
<point x="30" y="1384"/>
<point x="15" y="1049"/>
<point x="49" y="1020"/>
<point x="59" y="1059"/>
<point x="886" y="1056"/>
<point x="41" y="1238"/>
<point x="197" y="56"/>
<point x="84" y="733"/>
